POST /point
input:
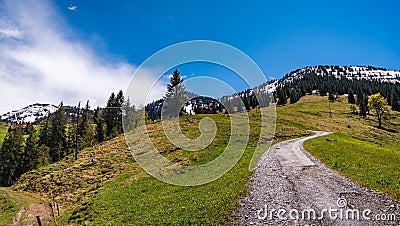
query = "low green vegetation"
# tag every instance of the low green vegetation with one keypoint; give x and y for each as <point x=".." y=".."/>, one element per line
<point x="3" y="132"/>
<point x="314" y="112"/>
<point x="138" y="199"/>
<point x="373" y="165"/>
<point x="359" y="149"/>
<point x="8" y="208"/>
<point x="106" y="186"/>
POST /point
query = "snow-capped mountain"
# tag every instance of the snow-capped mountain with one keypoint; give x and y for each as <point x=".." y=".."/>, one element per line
<point x="348" y="72"/>
<point x="31" y="113"/>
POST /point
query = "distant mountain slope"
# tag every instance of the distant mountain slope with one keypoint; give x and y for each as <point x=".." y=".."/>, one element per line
<point x="36" y="112"/>
<point x="349" y="72"/>
<point x="367" y="73"/>
<point x="31" y="113"/>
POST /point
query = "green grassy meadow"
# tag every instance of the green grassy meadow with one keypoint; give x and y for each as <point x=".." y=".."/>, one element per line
<point x="143" y="200"/>
<point x="358" y="149"/>
<point x="105" y="186"/>
<point x="373" y="165"/>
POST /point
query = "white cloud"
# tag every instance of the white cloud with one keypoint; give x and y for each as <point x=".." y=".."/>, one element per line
<point x="73" y="8"/>
<point x="40" y="63"/>
<point x="10" y="33"/>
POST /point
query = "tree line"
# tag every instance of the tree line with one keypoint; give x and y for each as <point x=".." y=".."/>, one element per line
<point x="189" y="103"/>
<point x="26" y="148"/>
<point x="327" y="84"/>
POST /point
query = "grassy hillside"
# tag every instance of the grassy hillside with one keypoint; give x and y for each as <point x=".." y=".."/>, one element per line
<point x="313" y="113"/>
<point x="373" y="165"/>
<point x="359" y="149"/>
<point x="106" y="186"/>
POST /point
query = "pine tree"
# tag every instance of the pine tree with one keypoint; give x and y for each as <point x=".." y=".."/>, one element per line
<point x="12" y="156"/>
<point x="19" y="152"/>
<point x="395" y="101"/>
<point x="220" y="108"/>
<point x="44" y="134"/>
<point x="282" y="100"/>
<point x="263" y="99"/>
<point x="75" y="130"/>
<point x="360" y="95"/>
<point x="113" y="115"/>
<point x="109" y="115"/>
<point x="238" y="104"/>
<point x="363" y="105"/>
<point x="175" y="97"/>
<point x="118" y="113"/>
<point x="98" y="120"/>
<point x="70" y="137"/>
<point x="294" y="96"/>
<point x="57" y="142"/>
<point x="43" y="155"/>
<point x="85" y="131"/>
<point x="7" y="159"/>
<point x="129" y="115"/>
<point x="246" y="102"/>
<point x="351" y="98"/>
<point x="253" y="101"/>
<point x="31" y="148"/>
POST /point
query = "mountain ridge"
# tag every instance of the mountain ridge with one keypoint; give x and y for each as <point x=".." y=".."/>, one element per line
<point x="34" y="112"/>
<point x="30" y="113"/>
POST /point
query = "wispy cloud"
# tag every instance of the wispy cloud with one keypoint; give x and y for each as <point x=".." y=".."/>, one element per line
<point x="10" y="33"/>
<point x="40" y="63"/>
<point x="73" y="8"/>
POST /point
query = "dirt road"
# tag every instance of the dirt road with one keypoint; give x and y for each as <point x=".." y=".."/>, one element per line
<point x="290" y="187"/>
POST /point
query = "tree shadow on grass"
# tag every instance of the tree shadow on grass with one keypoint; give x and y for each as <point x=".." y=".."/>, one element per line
<point x="386" y="129"/>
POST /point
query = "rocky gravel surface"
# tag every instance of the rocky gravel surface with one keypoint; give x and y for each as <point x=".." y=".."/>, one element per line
<point x="290" y="187"/>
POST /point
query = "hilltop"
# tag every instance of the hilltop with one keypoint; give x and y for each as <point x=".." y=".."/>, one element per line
<point x="349" y="72"/>
<point x="34" y="113"/>
<point x="31" y="113"/>
<point x="356" y="73"/>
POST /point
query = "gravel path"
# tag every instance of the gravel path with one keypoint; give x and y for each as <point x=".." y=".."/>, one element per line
<point x="289" y="185"/>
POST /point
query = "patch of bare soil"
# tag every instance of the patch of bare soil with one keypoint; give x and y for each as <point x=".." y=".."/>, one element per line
<point x="31" y="207"/>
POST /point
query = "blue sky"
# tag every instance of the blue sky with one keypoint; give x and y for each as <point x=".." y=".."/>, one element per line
<point x="279" y="35"/>
<point x="52" y="53"/>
